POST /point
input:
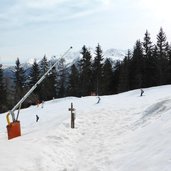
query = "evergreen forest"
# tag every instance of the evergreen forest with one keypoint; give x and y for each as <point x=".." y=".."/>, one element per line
<point x="147" y="64"/>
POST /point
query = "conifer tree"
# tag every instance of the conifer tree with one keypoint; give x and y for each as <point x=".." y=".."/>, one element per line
<point x="150" y="61"/>
<point x="44" y="84"/>
<point x="3" y="102"/>
<point x="73" y="84"/>
<point x="147" y="45"/>
<point x="162" y="48"/>
<point x="44" y="65"/>
<point x="35" y="73"/>
<point x="124" y="75"/>
<point x="116" y="76"/>
<point x="97" y="70"/>
<point x="34" y="77"/>
<point x="137" y="67"/>
<point x="154" y="68"/>
<point x="48" y="86"/>
<point x="169" y="66"/>
<point x="61" y="79"/>
<point x="86" y="72"/>
<point x="19" y="81"/>
<point x="107" y="76"/>
<point x="52" y="83"/>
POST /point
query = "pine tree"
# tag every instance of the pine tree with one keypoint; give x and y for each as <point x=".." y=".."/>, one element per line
<point x="73" y="85"/>
<point x="147" y="45"/>
<point x="162" y="48"/>
<point x="116" y="76"/>
<point x="44" y="84"/>
<point x="52" y="83"/>
<point x="97" y="70"/>
<point x="61" y="78"/>
<point x="19" y="81"/>
<point x="86" y="72"/>
<point x="150" y="61"/>
<point x="34" y="77"/>
<point x="137" y="67"/>
<point x="107" y="76"/>
<point x="44" y="65"/>
<point x="124" y="75"/>
<point x="169" y="66"/>
<point x="3" y="101"/>
<point x="35" y="73"/>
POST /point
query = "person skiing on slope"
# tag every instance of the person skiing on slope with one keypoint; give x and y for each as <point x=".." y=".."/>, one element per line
<point x="142" y="92"/>
<point x="37" y="118"/>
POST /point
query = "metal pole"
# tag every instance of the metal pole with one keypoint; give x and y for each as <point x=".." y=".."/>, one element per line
<point x="33" y="88"/>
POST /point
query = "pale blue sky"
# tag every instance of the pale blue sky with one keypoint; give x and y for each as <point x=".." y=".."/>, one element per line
<point x="32" y="28"/>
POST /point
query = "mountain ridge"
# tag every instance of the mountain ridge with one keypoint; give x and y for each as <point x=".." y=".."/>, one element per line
<point x="71" y="57"/>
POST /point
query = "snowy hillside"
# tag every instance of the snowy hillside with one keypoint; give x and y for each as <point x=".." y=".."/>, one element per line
<point x="124" y="132"/>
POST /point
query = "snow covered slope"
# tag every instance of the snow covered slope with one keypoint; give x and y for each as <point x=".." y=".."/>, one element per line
<point x="124" y="132"/>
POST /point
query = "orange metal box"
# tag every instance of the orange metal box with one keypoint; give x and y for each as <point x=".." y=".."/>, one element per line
<point x="13" y="130"/>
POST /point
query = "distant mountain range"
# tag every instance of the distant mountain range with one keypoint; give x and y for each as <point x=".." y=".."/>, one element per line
<point x="113" y="54"/>
<point x="70" y="58"/>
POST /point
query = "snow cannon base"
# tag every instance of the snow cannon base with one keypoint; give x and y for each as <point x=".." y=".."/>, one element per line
<point x="13" y="130"/>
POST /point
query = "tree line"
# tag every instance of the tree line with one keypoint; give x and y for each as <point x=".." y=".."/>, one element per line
<point x="146" y="65"/>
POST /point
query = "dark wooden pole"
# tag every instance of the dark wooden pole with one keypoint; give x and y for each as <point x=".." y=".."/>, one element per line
<point x="72" y="116"/>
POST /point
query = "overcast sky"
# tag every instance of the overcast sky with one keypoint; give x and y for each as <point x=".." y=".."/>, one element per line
<point x="32" y="28"/>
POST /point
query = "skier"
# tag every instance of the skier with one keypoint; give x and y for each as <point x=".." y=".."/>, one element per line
<point x="142" y="92"/>
<point x="98" y="99"/>
<point x="37" y="118"/>
<point x="42" y="104"/>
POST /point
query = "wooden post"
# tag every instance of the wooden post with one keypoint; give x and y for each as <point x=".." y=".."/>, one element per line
<point x="72" y="116"/>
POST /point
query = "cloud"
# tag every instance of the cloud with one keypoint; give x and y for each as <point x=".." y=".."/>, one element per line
<point x="41" y="4"/>
<point x="24" y="12"/>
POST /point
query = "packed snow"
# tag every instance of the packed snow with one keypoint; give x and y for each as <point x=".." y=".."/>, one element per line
<point x="123" y="132"/>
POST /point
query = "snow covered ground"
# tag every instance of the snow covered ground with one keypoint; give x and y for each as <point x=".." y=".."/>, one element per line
<point x="124" y="132"/>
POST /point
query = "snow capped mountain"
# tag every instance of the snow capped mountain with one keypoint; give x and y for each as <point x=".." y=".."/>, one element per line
<point x="72" y="57"/>
<point x="115" y="54"/>
<point x="31" y="61"/>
